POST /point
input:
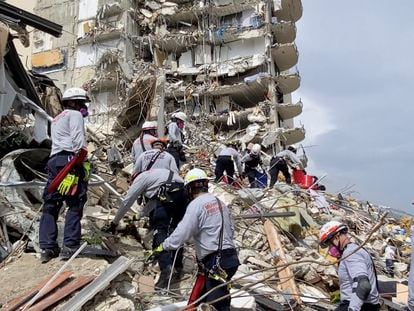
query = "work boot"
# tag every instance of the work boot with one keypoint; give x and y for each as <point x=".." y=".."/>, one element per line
<point x="67" y="252"/>
<point x="49" y="253"/>
<point x="164" y="277"/>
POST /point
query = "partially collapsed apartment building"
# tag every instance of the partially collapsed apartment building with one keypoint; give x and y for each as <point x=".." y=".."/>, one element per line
<point x="232" y="61"/>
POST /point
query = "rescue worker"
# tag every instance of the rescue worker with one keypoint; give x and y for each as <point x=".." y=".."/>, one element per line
<point x="68" y="138"/>
<point x="143" y="142"/>
<point x="157" y="157"/>
<point x="390" y="257"/>
<point x="208" y="221"/>
<point x="166" y="204"/>
<point x="356" y="272"/>
<point x="411" y="276"/>
<point x="251" y="160"/>
<point x="225" y="163"/>
<point x="176" y="136"/>
<point x="280" y="162"/>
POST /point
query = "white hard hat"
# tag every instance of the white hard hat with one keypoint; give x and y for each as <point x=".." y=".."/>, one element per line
<point x="149" y="125"/>
<point x="193" y="175"/>
<point x="180" y="115"/>
<point x="256" y="149"/>
<point x="74" y="93"/>
<point x="329" y="229"/>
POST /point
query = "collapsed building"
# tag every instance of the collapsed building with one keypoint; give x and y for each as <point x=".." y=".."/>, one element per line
<point x="229" y="66"/>
<point x="233" y="62"/>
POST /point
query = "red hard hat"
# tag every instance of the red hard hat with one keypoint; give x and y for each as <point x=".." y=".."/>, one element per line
<point x="329" y="230"/>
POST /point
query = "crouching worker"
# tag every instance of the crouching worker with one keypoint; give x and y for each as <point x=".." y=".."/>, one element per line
<point x="166" y="202"/>
<point x="225" y="163"/>
<point x="356" y="272"/>
<point x="208" y="221"/>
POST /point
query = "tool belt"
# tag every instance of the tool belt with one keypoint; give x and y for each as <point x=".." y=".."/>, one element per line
<point x="164" y="194"/>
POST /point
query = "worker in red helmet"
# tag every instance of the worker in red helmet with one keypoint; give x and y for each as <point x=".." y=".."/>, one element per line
<point x="357" y="276"/>
<point x="68" y="138"/>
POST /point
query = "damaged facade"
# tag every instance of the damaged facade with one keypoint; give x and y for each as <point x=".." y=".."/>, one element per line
<point x="233" y="62"/>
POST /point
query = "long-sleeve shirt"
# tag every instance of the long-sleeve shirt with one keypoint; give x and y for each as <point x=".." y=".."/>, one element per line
<point x="175" y="134"/>
<point x="163" y="160"/>
<point x="251" y="161"/>
<point x="147" y="183"/>
<point x="137" y="149"/>
<point x="68" y="132"/>
<point x="358" y="264"/>
<point x="229" y="151"/>
<point x="290" y="157"/>
<point x="203" y="222"/>
<point x="411" y="276"/>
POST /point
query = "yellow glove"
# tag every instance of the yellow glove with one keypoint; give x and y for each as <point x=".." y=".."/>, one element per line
<point x="154" y="252"/>
<point x="87" y="168"/>
<point x="67" y="183"/>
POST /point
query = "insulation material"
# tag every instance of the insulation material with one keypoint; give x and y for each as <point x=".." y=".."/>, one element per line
<point x="47" y="59"/>
<point x="87" y="9"/>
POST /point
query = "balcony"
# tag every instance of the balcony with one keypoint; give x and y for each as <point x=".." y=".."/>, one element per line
<point x="289" y="10"/>
<point x="289" y="110"/>
<point x="285" y="55"/>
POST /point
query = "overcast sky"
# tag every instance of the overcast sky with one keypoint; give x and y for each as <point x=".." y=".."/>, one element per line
<point x="357" y="69"/>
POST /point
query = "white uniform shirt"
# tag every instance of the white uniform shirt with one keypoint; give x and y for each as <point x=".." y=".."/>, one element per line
<point x="68" y="132"/>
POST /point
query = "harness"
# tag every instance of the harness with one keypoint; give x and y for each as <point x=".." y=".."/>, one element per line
<point x="142" y="143"/>
<point x="152" y="161"/>
<point x="167" y="188"/>
<point x="217" y="272"/>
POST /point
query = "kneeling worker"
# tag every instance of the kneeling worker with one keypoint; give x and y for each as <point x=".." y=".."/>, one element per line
<point x="208" y="221"/>
<point x="225" y="163"/>
<point x="166" y="203"/>
<point x="356" y="272"/>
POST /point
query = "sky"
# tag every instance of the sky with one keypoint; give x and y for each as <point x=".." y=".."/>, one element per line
<point x="356" y="64"/>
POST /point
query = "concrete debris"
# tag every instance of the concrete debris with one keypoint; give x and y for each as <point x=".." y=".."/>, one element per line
<point x="222" y="65"/>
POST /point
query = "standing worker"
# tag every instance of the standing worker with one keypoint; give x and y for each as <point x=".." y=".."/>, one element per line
<point x="251" y="161"/>
<point x="143" y="142"/>
<point x="390" y="257"/>
<point x="68" y="138"/>
<point x="208" y="221"/>
<point x="356" y="272"/>
<point x="280" y="162"/>
<point x="157" y="157"/>
<point x="166" y="203"/>
<point x="176" y="136"/>
<point x="225" y="163"/>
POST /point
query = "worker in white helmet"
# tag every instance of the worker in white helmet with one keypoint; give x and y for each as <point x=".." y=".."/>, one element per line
<point x="252" y="160"/>
<point x="208" y="222"/>
<point x="143" y="142"/>
<point x="68" y="138"/>
<point x="176" y="136"/>
<point x="356" y="272"/>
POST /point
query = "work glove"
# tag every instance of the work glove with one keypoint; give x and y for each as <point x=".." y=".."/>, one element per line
<point x="67" y="184"/>
<point x="87" y="169"/>
<point x="154" y="252"/>
<point x="109" y="228"/>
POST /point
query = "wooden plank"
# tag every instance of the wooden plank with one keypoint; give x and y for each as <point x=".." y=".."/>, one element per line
<point x="18" y="302"/>
<point x="402" y="294"/>
<point x="62" y="292"/>
<point x="100" y="283"/>
<point x="287" y="279"/>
